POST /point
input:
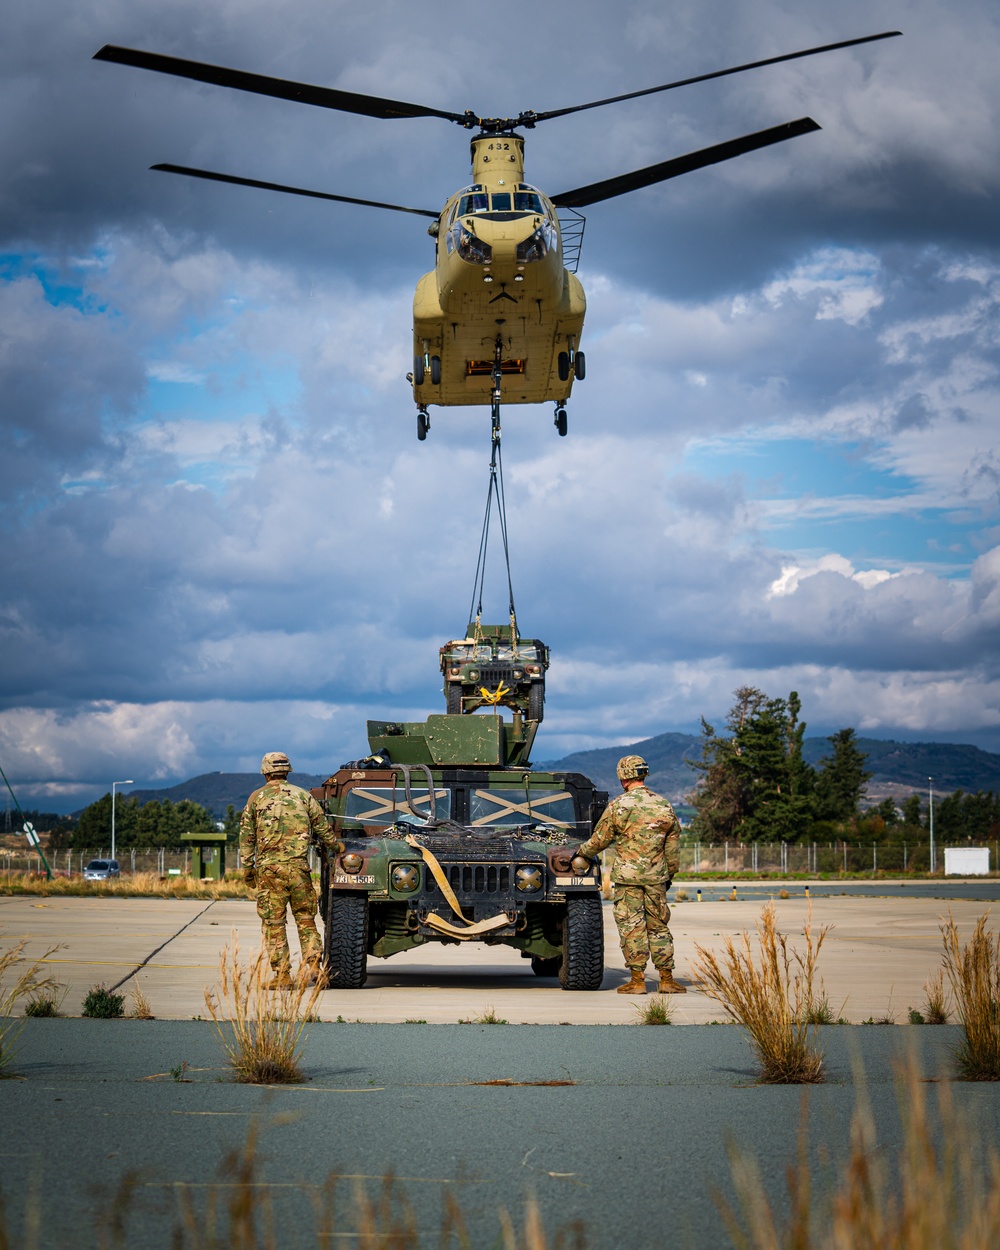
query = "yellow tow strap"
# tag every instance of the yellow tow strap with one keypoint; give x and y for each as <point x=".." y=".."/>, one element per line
<point x="497" y="694"/>
<point x="472" y="929"/>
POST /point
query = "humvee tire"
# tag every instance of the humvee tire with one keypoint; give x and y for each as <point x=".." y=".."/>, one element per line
<point x="546" y="967"/>
<point x="345" y="944"/>
<point x="582" y="966"/>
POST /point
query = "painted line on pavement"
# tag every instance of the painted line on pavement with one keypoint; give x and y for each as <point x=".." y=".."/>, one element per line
<point x="162" y="944"/>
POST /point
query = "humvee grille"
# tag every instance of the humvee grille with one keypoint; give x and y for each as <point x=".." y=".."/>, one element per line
<point x="490" y="674"/>
<point x="474" y="880"/>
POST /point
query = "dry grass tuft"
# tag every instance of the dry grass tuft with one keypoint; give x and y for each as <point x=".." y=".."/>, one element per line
<point x="138" y="885"/>
<point x="261" y="1028"/>
<point x="237" y="1212"/>
<point x="657" y="1009"/>
<point x="141" y="1010"/>
<point x="20" y="979"/>
<point x="935" y="1005"/>
<point x="974" y="973"/>
<point x="771" y="999"/>
<point x="938" y="1197"/>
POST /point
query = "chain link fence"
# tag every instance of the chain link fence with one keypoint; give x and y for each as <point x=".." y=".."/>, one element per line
<point x="779" y="858"/>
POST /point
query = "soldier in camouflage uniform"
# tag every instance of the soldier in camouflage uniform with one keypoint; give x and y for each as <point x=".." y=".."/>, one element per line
<point x="277" y="825"/>
<point x="645" y="831"/>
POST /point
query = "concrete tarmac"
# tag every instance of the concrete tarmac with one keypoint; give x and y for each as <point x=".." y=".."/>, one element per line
<point x="878" y="952"/>
<point x="634" y="1149"/>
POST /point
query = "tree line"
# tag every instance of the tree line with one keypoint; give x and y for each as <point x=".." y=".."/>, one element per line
<point x="155" y="823"/>
<point x="755" y="785"/>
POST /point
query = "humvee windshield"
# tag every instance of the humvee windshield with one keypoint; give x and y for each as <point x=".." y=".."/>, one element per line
<point x="380" y="805"/>
<point x="514" y="807"/>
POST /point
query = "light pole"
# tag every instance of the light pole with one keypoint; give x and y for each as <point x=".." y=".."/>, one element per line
<point x="113" y="785"/>
<point x="930" y="795"/>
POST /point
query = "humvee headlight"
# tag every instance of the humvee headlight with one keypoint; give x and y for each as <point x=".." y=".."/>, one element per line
<point x="405" y="877"/>
<point x="534" y="669"/>
<point x="518" y="674"/>
<point x="473" y="674"/>
<point x="529" y="879"/>
<point x="580" y="865"/>
<point x="352" y="862"/>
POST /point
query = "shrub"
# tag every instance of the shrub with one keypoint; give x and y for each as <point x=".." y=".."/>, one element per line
<point x="104" y="1004"/>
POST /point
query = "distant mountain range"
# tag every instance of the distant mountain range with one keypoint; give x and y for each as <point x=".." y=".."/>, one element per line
<point x="897" y="768"/>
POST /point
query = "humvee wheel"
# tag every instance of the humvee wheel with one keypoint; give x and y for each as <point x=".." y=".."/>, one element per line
<point x="545" y="967"/>
<point x="345" y="945"/>
<point x="582" y="966"/>
<point x="536" y="701"/>
<point x="454" y="699"/>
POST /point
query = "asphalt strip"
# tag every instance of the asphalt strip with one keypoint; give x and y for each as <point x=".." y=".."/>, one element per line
<point x="152" y="953"/>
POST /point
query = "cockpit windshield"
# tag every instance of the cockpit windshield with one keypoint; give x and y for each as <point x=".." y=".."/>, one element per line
<point x="500" y="202"/>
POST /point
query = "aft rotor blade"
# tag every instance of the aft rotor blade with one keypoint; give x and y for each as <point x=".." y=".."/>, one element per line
<point x="277" y="186"/>
<point x="281" y="88"/>
<point x="598" y="191"/>
<point x="719" y="73"/>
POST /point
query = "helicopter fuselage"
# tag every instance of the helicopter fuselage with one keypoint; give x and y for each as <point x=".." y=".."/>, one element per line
<point x="499" y="275"/>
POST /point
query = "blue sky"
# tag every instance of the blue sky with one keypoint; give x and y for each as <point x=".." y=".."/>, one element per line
<point x="221" y="535"/>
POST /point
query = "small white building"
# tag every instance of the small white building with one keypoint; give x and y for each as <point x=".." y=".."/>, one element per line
<point x="966" y="861"/>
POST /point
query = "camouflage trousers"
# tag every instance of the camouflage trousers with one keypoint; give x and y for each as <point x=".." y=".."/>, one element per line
<point x="643" y="918"/>
<point x="287" y="885"/>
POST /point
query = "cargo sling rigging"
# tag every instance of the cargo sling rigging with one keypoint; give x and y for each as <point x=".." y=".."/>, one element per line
<point x="494" y="495"/>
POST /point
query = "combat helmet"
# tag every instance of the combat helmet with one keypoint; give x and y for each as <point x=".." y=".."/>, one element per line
<point x="632" y="768"/>
<point x="275" y="763"/>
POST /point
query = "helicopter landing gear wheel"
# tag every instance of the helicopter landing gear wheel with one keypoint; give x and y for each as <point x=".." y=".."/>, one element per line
<point x="560" y="421"/>
<point x="423" y="424"/>
<point x="580" y="366"/>
<point x="418" y="370"/>
<point x="563" y="366"/>
<point x="435" y="371"/>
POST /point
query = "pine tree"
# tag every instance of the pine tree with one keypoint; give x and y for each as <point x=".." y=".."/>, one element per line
<point x="841" y="781"/>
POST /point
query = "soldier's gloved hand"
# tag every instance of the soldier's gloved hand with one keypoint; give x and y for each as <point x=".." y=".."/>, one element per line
<point x="250" y="878"/>
<point x="562" y="857"/>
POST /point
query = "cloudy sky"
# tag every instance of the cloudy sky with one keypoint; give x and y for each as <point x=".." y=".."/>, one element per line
<point x="221" y="534"/>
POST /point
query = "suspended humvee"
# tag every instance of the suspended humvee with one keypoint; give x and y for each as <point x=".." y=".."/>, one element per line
<point x="450" y="836"/>
<point x="493" y="667"/>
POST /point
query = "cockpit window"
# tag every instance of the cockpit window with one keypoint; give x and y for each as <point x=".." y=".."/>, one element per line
<point x="525" y="202"/>
<point x="477" y="203"/>
<point x="501" y="201"/>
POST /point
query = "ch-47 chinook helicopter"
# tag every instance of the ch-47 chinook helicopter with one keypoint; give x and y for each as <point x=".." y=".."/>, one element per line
<point x="503" y="306"/>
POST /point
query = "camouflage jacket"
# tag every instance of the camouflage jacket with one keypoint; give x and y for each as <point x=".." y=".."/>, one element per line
<point x="645" y="831"/>
<point x="278" y="823"/>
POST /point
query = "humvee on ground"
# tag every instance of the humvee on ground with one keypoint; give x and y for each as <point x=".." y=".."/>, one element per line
<point x="491" y="666"/>
<point x="450" y="836"/>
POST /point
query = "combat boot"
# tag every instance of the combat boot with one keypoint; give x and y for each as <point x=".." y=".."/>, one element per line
<point x="669" y="986"/>
<point x="637" y="985"/>
<point x="315" y="975"/>
<point x="281" y="980"/>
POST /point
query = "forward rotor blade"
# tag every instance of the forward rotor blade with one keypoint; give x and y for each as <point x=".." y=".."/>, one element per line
<point x="281" y="88"/>
<point x="719" y="73"/>
<point x="277" y="186"/>
<point x="598" y="191"/>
